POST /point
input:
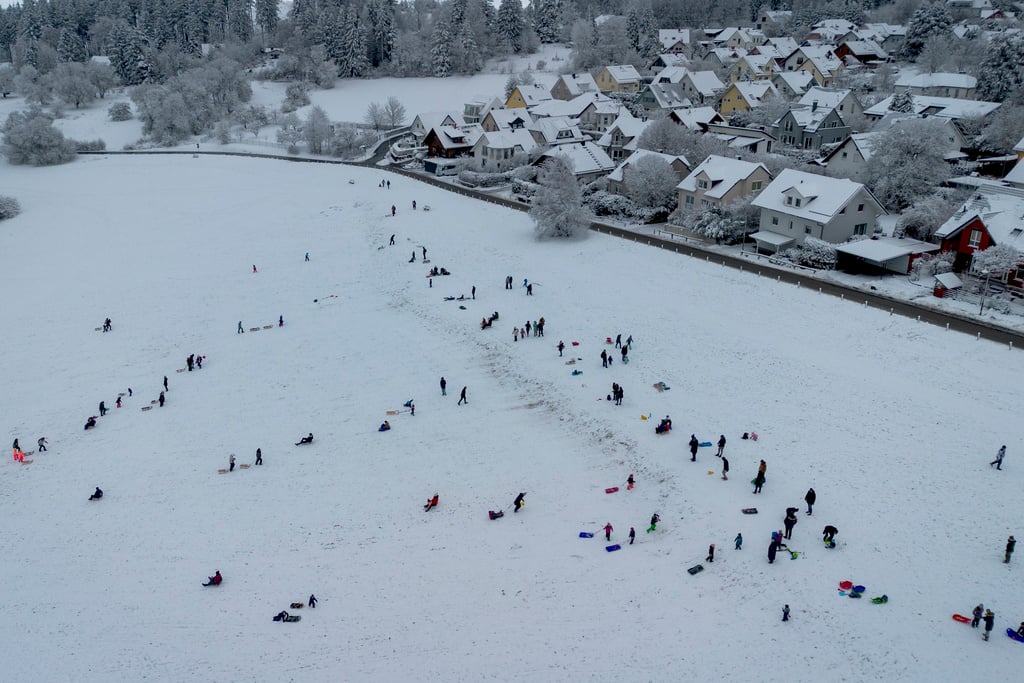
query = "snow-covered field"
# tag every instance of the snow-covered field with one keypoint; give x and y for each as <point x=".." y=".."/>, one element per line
<point x="892" y="422"/>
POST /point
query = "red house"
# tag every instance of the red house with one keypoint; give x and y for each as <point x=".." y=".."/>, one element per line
<point x="965" y="233"/>
<point x="989" y="219"/>
<point x="450" y="142"/>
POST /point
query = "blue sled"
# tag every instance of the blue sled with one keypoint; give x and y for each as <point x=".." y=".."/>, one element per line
<point x="586" y="534"/>
<point x="613" y="548"/>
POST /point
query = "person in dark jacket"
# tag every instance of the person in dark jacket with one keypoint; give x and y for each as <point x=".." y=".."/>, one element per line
<point x="103" y="408"/>
<point x="259" y="456"/>
<point x="773" y="548"/>
<point x="758" y="482"/>
<point x="725" y="468"/>
<point x="312" y="601"/>
<point x="161" y="399"/>
<point x="979" y="610"/>
<point x="632" y="535"/>
<point x="90" y="423"/>
<point x="462" y="397"/>
<point x="214" y="580"/>
<point x="711" y="553"/>
<point x="97" y="494"/>
<point x="444" y="386"/>
<point x="305" y="439"/>
<point x="654" y="522"/>
<point x="829" y="533"/>
<point x="1011" y="543"/>
<point x="518" y="502"/>
<point x="990" y="622"/>
<point x="721" y="445"/>
<point x="998" y="462"/>
<point x="809" y="499"/>
<point x="694" y="445"/>
<point x="789" y="522"/>
<point x="560" y="347"/>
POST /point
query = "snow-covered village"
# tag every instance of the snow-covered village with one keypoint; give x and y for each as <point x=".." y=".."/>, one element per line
<point x="604" y="340"/>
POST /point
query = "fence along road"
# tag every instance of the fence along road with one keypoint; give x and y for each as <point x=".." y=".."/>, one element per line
<point x="979" y="329"/>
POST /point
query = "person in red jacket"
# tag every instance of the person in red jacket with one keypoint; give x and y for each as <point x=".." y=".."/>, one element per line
<point x="215" y="579"/>
<point x="432" y="503"/>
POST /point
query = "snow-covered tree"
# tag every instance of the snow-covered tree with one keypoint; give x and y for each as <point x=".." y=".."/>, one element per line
<point x="70" y="46"/>
<point x="902" y="102"/>
<point x="1003" y="129"/>
<point x="266" y="16"/>
<point x="353" y="61"/>
<point x="929" y="20"/>
<point x="375" y="116"/>
<point x="394" y="112"/>
<point x="510" y="24"/>
<point x="126" y="54"/>
<point x="668" y="137"/>
<point x="928" y="213"/>
<point x="71" y="84"/>
<point x="9" y="207"/>
<point x="239" y="20"/>
<point x="815" y="253"/>
<point x="557" y="208"/>
<point x="101" y="76"/>
<point x="120" y="111"/>
<point x="547" y="20"/>
<point x="7" y="75"/>
<point x="907" y="163"/>
<point x="440" y="51"/>
<point x="317" y="131"/>
<point x="998" y="260"/>
<point x="31" y="139"/>
<point x="717" y="225"/>
<point x="651" y="183"/>
<point x="1001" y="76"/>
<point x="380" y="15"/>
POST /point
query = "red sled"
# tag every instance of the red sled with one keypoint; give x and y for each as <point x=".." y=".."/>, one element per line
<point x="608" y="340"/>
<point x="495" y="515"/>
<point x="961" y="618"/>
<point x="612" y="489"/>
<point x="846" y="585"/>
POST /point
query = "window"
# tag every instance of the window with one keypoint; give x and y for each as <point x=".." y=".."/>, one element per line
<point x="756" y="185"/>
<point x="975" y="240"/>
<point x="860" y="207"/>
<point x="702" y="184"/>
<point x="842" y="210"/>
<point x="707" y="204"/>
<point x="788" y="126"/>
<point x="807" y="142"/>
<point x="775" y="220"/>
<point x="789" y="201"/>
<point x="798" y="200"/>
<point x="844" y="155"/>
<point x="689" y="200"/>
<point x="807" y="230"/>
<point x="860" y="229"/>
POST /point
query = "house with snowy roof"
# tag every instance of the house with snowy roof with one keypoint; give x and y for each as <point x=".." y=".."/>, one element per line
<point x="843" y="100"/>
<point x="665" y="60"/>
<point x="506" y="119"/>
<point x="475" y="109"/>
<point x="601" y="113"/>
<point x="556" y="130"/>
<point x="658" y="96"/>
<point x="940" y="84"/>
<point x="753" y="67"/>
<point x="986" y="219"/>
<point x="696" y="118"/>
<point x="798" y="204"/>
<point x="850" y="158"/>
<point x="423" y="122"/>
<point x="618" y="180"/>
<point x="720" y="181"/>
<point x="619" y="141"/>
<point x="881" y="254"/>
<point x="573" y="108"/>
<point x="724" y="57"/>
<point x="449" y="142"/>
<point x="498" y="151"/>
<point x="741" y="139"/>
<point x="619" y="78"/>
<point x="702" y="87"/>
<point x="818" y="60"/>
<point x="527" y="96"/>
<point x="945" y="107"/>
<point x="890" y="36"/>
<point x="569" y="86"/>
<point x="774" y="19"/>
<point x="863" y="50"/>
<point x="793" y="84"/>
<point x="829" y="30"/>
<point x="588" y="161"/>
<point x="810" y="127"/>
<point x="968" y="9"/>
<point x="674" y="40"/>
<point x="744" y="96"/>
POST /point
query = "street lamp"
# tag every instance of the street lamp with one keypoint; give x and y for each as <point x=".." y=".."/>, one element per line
<point x="984" y="291"/>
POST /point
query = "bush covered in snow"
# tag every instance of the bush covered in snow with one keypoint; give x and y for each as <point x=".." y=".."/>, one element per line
<point x="97" y="145"/>
<point x="814" y="253"/>
<point x="9" y="207"/>
<point x="604" y="203"/>
<point x="295" y="95"/>
<point x="120" y="111"/>
<point x="30" y="138"/>
<point x="928" y="265"/>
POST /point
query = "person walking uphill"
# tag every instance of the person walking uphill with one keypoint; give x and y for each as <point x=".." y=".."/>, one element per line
<point x="1011" y="543"/>
<point x="809" y="499"/>
<point x="789" y="522"/>
<point x="785" y="613"/>
<point x="161" y="399"/>
<point x="518" y="502"/>
<point x="608" y="531"/>
<point x="721" y="445"/>
<point x="240" y="330"/>
<point x="998" y="462"/>
<point x="990" y="622"/>
<point x="654" y="522"/>
<point x="711" y="553"/>
<point x="231" y="463"/>
<point x="462" y="397"/>
<point x="444" y="385"/>
<point x="103" y="408"/>
<point x="694" y="445"/>
<point x="259" y="456"/>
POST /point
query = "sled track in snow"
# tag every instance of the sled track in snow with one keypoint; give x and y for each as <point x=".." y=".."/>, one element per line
<point x="951" y="321"/>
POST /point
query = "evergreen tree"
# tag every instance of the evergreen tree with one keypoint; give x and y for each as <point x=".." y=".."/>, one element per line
<point x="557" y="207"/>
<point x="509" y="24"/>
<point x="1002" y="73"/>
<point x="928" y="20"/>
<point x="354" y="63"/>
<point x="546" y="18"/>
<point x="469" y="53"/>
<point x="239" y="20"/>
<point x="380" y="16"/>
<point x="902" y="102"/>
<point x="126" y="54"/>
<point x="440" y="51"/>
<point x="70" y="46"/>
<point x="266" y="16"/>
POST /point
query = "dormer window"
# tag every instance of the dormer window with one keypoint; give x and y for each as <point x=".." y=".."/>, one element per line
<point x="797" y="202"/>
<point x="789" y="201"/>
<point x="702" y="184"/>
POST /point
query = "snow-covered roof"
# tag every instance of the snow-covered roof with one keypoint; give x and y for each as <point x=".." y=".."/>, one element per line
<point x="1016" y="174"/>
<point x="937" y="80"/>
<point x="671" y="59"/>
<point x="945" y="107"/>
<point x="754" y="92"/>
<point x="821" y="198"/>
<point x="671" y="74"/>
<point x="773" y="238"/>
<point x="727" y="55"/>
<point x="798" y="81"/>
<point x="1004" y="218"/>
<point x="785" y="45"/>
<point x="696" y="118"/>
<point x="827" y="98"/>
<point x="618" y="173"/>
<point x="578" y="83"/>
<point x="705" y="82"/>
<point x="669" y="95"/>
<point x="624" y="73"/>
<point x="881" y="250"/>
<point x="1019" y="147"/>
<point x="628" y="125"/>
<point x="519" y="138"/>
<point x="808" y="118"/>
<point x="671" y="36"/>
<point x="534" y="94"/>
<point x="433" y="119"/>
<point x="882" y="31"/>
<point x="822" y="57"/>
<point x="949" y="280"/>
<point x="723" y="172"/>
<point x="586" y="157"/>
<point x="503" y="118"/>
<point x="864" y="142"/>
<point x="557" y="129"/>
<point x="759" y="63"/>
<point x="572" y="108"/>
<point x="865" y="46"/>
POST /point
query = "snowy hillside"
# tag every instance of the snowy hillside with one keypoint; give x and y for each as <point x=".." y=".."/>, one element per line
<point x="892" y="422"/>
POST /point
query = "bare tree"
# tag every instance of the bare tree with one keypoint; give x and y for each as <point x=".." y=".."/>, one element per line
<point x="375" y="116"/>
<point x="394" y="112"/>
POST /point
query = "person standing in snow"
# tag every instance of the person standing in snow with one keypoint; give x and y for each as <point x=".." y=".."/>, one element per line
<point x="773" y="548"/>
<point x="165" y="383"/>
<point x="1011" y="543"/>
<point x="998" y="462"/>
<point x="979" y="610"/>
<point x="118" y="402"/>
<point x="307" y="256"/>
<point x="785" y="613"/>
<point x="618" y="340"/>
<point x="990" y="622"/>
<point x="280" y="321"/>
<point x="721" y="445"/>
<point x="630" y="482"/>
<point x="444" y="384"/>
<point x="529" y="289"/>
<point x="231" y="463"/>
<point x="240" y="330"/>
<point x="560" y="347"/>
<point x="473" y="292"/>
<point x="199" y="361"/>
<point x="41" y="443"/>
<point x="312" y="601"/>
<point x="711" y="553"/>
<point x="412" y="259"/>
<point x="654" y="522"/>
<point x="725" y="468"/>
<point x="604" y="356"/>
<point x="608" y="531"/>
<point x="424" y="253"/>
<point x="789" y="522"/>
<point x="625" y="350"/>
<point x="16" y="446"/>
<point x="518" y="502"/>
<point x="392" y="243"/>
<point x="694" y="445"/>
<point x="739" y="541"/>
<point x="190" y="362"/>
<point x="259" y="456"/>
<point x="462" y="397"/>
<point x="393" y="210"/>
<point x="629" y="342"/>
<point x="161" y="399"/>
<point x="103" y="408"/>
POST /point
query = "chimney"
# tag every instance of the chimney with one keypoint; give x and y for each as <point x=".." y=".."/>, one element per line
<point x="814" y="105"/>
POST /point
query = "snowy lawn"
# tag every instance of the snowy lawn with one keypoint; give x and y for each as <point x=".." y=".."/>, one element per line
<point x="892" y="422"/>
